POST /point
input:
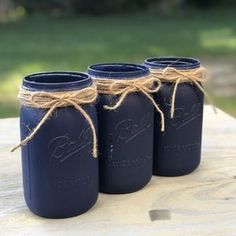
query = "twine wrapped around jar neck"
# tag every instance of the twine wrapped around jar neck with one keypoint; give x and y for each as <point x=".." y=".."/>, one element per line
<point x="173" y="75"/>
<point x="53" y="100"/>
<point x="117" y="87"/>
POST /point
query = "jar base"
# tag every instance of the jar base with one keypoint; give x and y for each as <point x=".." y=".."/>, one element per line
<point x="120" y="190"/>
<point x="63" y="216"/>
<point x="172" y="173"/>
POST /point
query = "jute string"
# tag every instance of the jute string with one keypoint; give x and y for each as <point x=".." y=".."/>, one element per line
<point x="146" y="85"/>
<point x="54" y="100"/>
<point x="170" y="74"/>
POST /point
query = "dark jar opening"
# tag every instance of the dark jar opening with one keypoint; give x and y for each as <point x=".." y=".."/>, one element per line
<point x="118" y="70"/>
<point x="175" y="62"/>
<point x="57" y="81"/>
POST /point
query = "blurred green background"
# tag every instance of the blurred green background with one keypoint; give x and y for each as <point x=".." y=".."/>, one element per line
<point x="69" y="35"/>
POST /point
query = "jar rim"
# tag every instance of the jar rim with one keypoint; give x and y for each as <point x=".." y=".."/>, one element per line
<point x="57" y="81"/>
<point x="118" y="70"/>
<point x="172" y="61"/>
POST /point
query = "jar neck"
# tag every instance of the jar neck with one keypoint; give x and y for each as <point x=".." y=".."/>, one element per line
<point x="57" y="81"/>
<point x="180" y="63"/>
<point x="118" y="71"/>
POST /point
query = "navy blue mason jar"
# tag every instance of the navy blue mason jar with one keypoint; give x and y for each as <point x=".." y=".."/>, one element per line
<point x="177" y="151"/>
<point x="60" y="175"/>
<point x="125" y="134"/>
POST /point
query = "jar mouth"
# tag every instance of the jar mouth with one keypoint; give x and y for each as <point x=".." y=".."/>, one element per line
<point x="118" y="70"/>
<point x="175" y="62"/>
<point x="57" y="81"/>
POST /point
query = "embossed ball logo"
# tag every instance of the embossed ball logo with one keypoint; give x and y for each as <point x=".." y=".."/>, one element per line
<point x="63" y="147"/>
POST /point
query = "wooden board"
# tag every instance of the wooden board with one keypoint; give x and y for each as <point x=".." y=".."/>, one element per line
<point x="202" y="203"/>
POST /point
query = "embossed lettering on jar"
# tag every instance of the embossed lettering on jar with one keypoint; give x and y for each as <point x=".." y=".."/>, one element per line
<point x="125" y="133"/>
<point x="177" y="151"/>
<point x="60" y="174"/>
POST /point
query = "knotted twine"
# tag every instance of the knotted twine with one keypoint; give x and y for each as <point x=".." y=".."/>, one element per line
<point x="54" y="100"/>
<point x="171" y="74"/>
<point x="117" y="87"/>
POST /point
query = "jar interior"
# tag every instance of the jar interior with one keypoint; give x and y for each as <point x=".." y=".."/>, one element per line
<point x="57" y="81"/>
<point x="55" y="78"/>
<point x="177" y="62"/>
<point x="116" y="68"/>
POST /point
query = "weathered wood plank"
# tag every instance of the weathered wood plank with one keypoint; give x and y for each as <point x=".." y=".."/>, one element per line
<point x="202" y="203"/>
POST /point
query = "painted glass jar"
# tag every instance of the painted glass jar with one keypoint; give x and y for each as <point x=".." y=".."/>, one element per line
<point x="177" y="151"/>
<point x="126" y="132"/>
<point x="60" y="175"/>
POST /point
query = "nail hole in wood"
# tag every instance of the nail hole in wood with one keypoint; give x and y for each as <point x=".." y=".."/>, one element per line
<point x="159" y="214"/>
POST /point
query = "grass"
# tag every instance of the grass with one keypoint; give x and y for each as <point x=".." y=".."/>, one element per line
<point x="47" y="44"/>
<point x="228" y="104"/>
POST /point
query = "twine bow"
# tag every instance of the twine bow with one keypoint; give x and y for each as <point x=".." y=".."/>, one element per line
<point x="53" y="100"/>
<point x="145" y="85"/>
<point x="170" y="74"/>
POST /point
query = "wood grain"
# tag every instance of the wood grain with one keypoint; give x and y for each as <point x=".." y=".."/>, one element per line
<point x="202" y="203"/>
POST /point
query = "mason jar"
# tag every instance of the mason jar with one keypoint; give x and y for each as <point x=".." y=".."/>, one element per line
<point x="177" y="151"/>
<point x="125" y="134"/>
<point x="60" y="175"/>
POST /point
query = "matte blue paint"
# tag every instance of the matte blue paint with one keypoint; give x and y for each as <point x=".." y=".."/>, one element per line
<point x="177" y="151"/>
<point x="60" y="175"/>
<point x="125" y="134"/>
